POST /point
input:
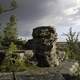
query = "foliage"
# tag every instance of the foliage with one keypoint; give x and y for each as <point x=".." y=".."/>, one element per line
<point x="12" y="61"/>
<point x="76" y="71"/>
<point x="12" y="48"/>
<point x="72" y="49"/>
<point x="10" y="32"/>
<point x="10" y="43"/>
<point x="4" y="9"/>
<point x="20" y="44"/>
<point x="9" y="57"/>
<point x="78" y="74"/>
<point x="12" y="7"/>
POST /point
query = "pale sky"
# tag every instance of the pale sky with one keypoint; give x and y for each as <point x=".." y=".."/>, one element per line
<point x="62" y="14"/>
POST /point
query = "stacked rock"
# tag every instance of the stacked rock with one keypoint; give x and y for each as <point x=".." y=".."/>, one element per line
<point x="43" y="45"/>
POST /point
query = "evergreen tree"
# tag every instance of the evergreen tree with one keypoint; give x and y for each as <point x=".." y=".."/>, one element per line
<point x="10" y="58"/>
<point x="10" y="32"/>
<point x="12" y="61"/>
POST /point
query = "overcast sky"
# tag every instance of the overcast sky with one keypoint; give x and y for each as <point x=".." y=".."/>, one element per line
<point x="62" y="14"/>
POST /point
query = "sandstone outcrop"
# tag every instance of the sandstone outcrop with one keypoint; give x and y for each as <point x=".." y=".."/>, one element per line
<point x="43" y="46"/>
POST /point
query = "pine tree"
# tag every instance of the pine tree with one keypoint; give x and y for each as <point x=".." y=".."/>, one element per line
<point x="10" y="32"/>
<point x="10" y="58"/>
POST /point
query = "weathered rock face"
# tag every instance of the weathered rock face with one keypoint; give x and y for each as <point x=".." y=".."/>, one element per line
<point x="34" y="74"/>
<point x="43" y="45"/>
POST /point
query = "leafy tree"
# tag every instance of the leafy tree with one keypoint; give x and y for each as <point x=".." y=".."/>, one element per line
<point x="72" y="49"/>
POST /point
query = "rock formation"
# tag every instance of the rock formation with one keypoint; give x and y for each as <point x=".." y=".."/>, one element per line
<point x="43" y="45"/>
